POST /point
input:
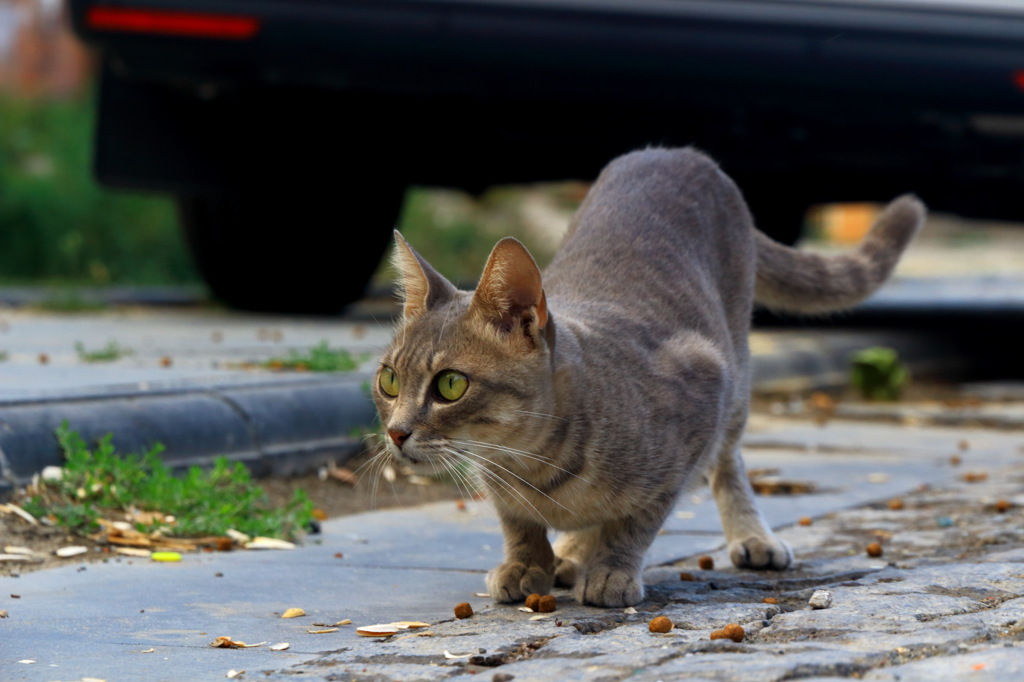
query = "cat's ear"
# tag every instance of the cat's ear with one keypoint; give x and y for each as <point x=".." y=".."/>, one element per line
<point x="422" y="287"/>
<point x="510" y="295"/>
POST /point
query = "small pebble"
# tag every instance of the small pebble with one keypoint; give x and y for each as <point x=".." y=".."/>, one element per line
<point x="463" y="610"/>
<point x="686" y="576"/>
<point x="955" y="460"/>
<point x="770" y="600"/>
<point x="660" y="624"/>
<point x="532" y="601"/>
<point x="944" y="521"/>
<point x="1002" y="506"/>
<point x="821" y="599"/>
<point x="896" y="504"/>
<point x="706" y="563"/>
<point x="874" y="549"/>
<point x="805" y="521"/>
<point x="975" y="476"/>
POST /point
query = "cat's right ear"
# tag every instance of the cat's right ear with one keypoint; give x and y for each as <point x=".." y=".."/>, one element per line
<point x="422" y="286"/>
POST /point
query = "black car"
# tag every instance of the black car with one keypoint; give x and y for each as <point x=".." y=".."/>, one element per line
<point x="288" y="130"/>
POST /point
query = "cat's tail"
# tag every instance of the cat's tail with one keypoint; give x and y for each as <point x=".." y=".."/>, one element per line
<point x="795" y="281"/>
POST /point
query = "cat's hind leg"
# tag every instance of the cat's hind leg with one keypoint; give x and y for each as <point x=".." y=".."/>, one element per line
<point x="751" y="542"/>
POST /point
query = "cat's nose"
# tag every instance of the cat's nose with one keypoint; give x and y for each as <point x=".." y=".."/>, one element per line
<point x="398" y="436"/>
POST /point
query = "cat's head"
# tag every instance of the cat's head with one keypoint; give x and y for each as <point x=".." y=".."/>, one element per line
<point x="466" y="372"/>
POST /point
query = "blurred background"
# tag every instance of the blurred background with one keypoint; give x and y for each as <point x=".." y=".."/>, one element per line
<point x="59" y="228"/>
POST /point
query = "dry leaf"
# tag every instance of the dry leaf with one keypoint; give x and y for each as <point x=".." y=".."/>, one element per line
<point x="377" y="630"/>
<point x="148" y="651"/>
<point x="14" y="549"/>
<point x="238" y="536"/>
<point x="343" y="622"/>
<point x="279" y="647"/>
<point x="410" y="624"/>
<point x="133" y="551"/>
<point x="343" y="475"/>
<point x="269" y="543"/>
<point x="70" y="551"/>
<point x="322" y="632"/>
<point x="388" y="629"/>
<point x="526" y="609"/>
<point x="228" y="643"/>
<point x="15" y="509"/>
<point x="293" y="613"/>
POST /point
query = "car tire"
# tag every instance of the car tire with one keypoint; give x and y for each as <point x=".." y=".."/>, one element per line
<point x="290" y="253"/>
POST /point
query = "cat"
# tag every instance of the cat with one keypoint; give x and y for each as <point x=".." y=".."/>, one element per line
<point x="587" y="398"/>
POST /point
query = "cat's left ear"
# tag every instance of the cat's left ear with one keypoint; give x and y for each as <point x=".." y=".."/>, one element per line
<point x="510" y="295"/>
<point x="422" y="286"/>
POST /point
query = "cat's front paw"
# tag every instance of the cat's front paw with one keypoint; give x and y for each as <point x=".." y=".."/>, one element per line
<point x="761" y="553"/>
<point x="514" y="581"/>
<point x="602" y="586"/>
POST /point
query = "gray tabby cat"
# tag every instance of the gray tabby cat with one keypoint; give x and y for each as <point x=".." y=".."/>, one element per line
<point x="588" y="398"/>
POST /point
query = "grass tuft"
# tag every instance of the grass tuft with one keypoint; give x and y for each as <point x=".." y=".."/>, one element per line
<point x="96" y="483"/>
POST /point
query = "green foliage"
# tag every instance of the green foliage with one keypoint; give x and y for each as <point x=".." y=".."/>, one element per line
<point x="112" y="351"/>
<point x="319" y="358"/>
<point x="57" y="224"/>
<point x="878" y="374"/>
<point x="203" y="502"/>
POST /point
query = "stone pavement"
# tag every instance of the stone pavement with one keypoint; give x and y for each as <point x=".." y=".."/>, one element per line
<point x="944" y="601"/>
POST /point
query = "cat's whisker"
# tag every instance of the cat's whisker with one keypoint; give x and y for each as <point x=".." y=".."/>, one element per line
<point x="542" y="415"/>
<point x="377" y="463"/>
<point x="500" y="482"/>
<point x="460" y="477"/>
<point x="521" y="453"/>
<point x="470" y="453"/>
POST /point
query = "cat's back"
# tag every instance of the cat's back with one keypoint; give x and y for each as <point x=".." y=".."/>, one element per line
<point x="662" y="231"/>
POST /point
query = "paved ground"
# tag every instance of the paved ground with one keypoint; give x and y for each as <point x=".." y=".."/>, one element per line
<point x="945" y="601"/>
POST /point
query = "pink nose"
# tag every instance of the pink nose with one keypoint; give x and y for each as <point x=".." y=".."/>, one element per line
<point x="398" y="437"/>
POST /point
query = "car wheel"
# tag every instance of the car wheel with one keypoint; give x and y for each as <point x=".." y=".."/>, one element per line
<point x="290" y="254"/>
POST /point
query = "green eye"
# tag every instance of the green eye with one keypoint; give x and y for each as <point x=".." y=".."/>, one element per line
<point x="452" y="385"/>
<point x="388" y="381"/>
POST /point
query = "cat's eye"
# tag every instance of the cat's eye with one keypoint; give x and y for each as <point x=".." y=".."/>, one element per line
<point x="451" y="385"/>
<point x="388" y="381"/>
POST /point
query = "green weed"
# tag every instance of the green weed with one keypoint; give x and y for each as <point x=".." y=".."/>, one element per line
<point x="70" y="301"/>
<point x="109" y="353"/>
<point x="878" y="374"/>
<point x="319" y="358"/>
<point x="97" y="482"/>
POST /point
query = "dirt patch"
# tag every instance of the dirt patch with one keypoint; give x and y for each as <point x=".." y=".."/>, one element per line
<point x="330" y="496"/>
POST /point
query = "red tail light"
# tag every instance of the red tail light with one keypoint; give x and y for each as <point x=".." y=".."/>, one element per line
<point x="190" y="24"/>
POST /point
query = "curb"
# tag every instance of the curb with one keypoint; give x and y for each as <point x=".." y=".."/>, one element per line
<point x="278" y="427"/>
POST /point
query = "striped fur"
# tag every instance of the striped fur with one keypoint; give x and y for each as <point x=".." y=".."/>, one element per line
<point x="594" y="400"/>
